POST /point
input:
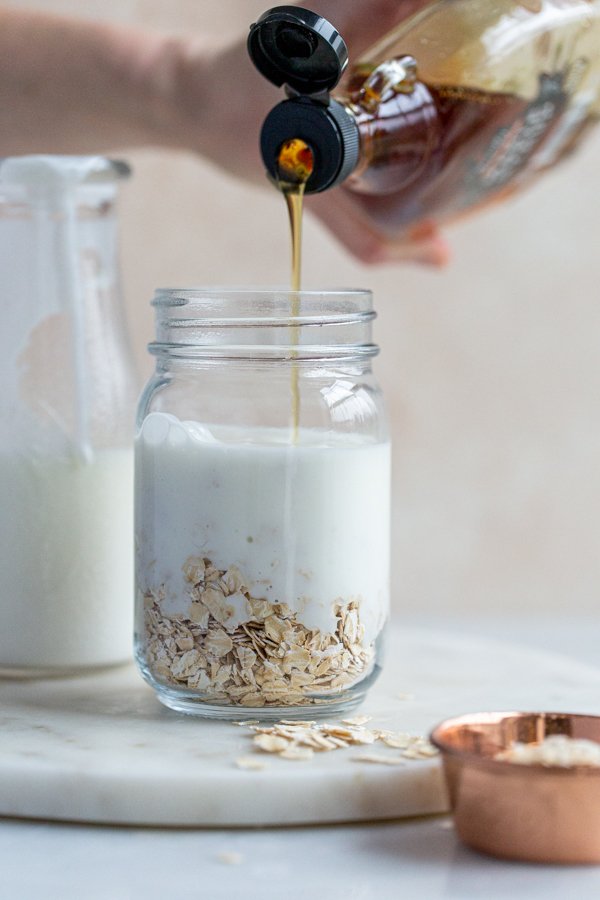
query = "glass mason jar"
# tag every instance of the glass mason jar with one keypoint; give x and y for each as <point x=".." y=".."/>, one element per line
<point x="262" y="504"/>
<point x="67" y="403"/>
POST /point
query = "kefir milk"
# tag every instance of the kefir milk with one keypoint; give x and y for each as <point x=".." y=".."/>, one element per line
<point x="262" y="565"/>
<point x="66" y="561"/>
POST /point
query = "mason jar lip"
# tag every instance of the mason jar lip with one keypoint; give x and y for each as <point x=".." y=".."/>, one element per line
<point x="173" y="297"/>
<point x="238" y="322"/>
<point x="258" y="307"/>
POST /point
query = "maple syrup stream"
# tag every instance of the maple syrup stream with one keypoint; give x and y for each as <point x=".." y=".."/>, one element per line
<point x="295" y="165"/>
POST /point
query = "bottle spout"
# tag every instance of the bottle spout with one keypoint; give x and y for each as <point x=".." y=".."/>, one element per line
<point x="302" y="51"/>
<point x="329" y="133"/>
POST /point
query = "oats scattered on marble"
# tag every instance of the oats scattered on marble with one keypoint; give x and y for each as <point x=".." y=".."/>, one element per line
<point x="293" y="752"/>
<point x="380" y="759"/>
<point x="420" y="748"/>
<point x="299" y="722"/>
<point x="357" y="720"/>
<point x="291" y="739"/>
<point x="270" y="743"/>
<point x="363" y="736"/>
<point x="252" y="763"/>
<point x="235" y="649"/>
<point x="399" y="741"/>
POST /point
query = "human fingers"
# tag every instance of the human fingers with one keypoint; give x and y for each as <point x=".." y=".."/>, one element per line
<point x="338" y="210"/>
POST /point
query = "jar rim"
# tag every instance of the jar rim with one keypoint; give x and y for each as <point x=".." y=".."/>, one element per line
<point x="261" y="306"/>
<point x="172" y="297"/>
<point x="263" y="322"/>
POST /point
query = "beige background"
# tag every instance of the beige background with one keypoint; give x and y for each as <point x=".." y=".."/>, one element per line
<point x="491" y="368"/>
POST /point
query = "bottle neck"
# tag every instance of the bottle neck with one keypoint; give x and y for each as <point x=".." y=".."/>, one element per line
<point x="326" y="126"/>
<point x="375" y="148"/>
<point x="398" y="139"/>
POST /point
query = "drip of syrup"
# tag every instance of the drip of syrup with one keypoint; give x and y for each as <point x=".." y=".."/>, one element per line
<point x="295" y="165"/>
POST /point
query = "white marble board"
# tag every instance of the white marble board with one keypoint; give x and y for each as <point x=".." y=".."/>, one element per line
<point x="100" y="748"/>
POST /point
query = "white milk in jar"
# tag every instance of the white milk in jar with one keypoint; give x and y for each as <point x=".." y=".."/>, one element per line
<point x="262" y="550"/>
<point x="66" y="578"/>
<point x="66" y="403"/>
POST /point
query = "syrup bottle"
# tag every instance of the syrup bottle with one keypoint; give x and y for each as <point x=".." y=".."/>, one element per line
<point x="459" y="105"/>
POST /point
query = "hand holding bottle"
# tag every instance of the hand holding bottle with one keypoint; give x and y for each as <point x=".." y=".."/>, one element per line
<point x="78" y="87"/>
<point x="362" y="24"/>
<point x="447" y="112"/>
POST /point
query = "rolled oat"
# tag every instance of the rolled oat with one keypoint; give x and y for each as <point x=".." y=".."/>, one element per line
<point x="269" y="659"/>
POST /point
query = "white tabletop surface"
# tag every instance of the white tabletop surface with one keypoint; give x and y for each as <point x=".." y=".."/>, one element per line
<point x="418" y="858"/>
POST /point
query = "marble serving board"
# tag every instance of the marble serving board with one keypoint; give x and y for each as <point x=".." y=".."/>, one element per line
<point x="100" y="748"/>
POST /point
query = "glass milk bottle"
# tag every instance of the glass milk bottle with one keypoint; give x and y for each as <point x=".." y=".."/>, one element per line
<point x="262" y="504"/>
<point x="67" y="400"/>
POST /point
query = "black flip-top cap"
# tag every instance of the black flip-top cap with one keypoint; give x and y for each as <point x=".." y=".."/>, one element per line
<point x="331" y="134"/>
<point x="294" y="46"/>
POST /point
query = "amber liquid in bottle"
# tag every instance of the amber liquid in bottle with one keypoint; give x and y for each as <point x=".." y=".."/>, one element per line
<point x="467" y="101"/>
<point x="435" y="151"/>
<point x="458" y="105"/>
<point x="295" y="164"/>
